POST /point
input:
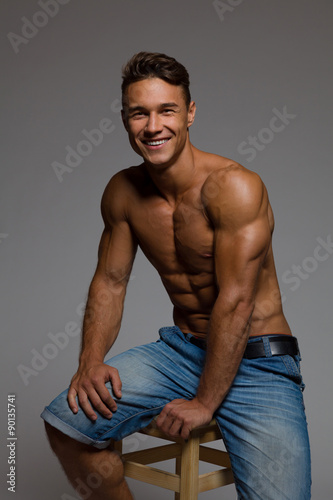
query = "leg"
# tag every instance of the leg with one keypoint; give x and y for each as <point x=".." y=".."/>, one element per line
<point x="152" y="375"/>
<point x="93" y="472"/>
<point x="264" y="428"/>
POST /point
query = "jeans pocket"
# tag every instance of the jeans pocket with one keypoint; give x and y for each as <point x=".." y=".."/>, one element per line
<point x="292" y="365"/>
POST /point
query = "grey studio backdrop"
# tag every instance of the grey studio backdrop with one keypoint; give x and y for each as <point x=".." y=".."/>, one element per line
<point x="261" y="74"/>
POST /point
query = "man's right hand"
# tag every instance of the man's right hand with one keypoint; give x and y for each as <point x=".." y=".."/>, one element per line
<point x="88" y="384"/>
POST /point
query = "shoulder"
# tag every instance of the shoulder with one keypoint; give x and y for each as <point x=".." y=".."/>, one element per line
<point x="231" y="192"/>
<point x="229" y="178"/>
<point x="119" y="191"/>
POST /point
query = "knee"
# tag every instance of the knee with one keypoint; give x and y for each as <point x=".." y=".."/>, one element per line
<point x="108" y="466"/>
<point x="97" y="465"/>
<point x="57" y="439"/>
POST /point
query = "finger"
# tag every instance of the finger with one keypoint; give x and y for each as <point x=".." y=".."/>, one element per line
<point x="166" y="417"/>
<point x="116" y="382"/>
<point x="105" y="396"/>
<point x="169" y="424"/>
<point x="175" y="428"/>
<point x="97" y="403"/>
<point x="185" y="431"/>
<point x="161" y="418"/>
<point x="86" y="406"/>
<point x="71" y="398"/>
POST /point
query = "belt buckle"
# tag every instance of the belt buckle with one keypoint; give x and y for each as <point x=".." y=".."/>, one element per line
<point x="292" y="341"/>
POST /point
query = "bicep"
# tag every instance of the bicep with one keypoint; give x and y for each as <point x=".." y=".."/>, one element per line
<point x="116" y="252"/>
<point x="239" y="254"/>
<point x="242" y="231"/>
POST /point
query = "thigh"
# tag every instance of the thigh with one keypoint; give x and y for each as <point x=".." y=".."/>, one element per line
<point x="264" y="427"/>
<point x="151" y="375"/>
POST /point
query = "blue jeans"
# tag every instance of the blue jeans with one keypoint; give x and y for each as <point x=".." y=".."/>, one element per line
<point x="262" y="418"/>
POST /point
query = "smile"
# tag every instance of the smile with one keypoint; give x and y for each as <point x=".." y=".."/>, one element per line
<point x="156" y="143"/>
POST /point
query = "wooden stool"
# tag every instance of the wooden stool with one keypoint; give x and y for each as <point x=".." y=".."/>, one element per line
<point x="186" y="482"/>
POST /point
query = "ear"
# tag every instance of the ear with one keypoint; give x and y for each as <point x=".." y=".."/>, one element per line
<point x="191" y="113"/>
<point x="124" y="118"/>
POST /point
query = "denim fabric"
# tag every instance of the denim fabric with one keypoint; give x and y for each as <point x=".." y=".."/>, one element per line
<point x="262" y="418"/>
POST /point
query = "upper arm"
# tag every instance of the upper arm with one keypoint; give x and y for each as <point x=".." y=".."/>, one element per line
<point x="242" y="232"/>
<point x="118" y="245"/>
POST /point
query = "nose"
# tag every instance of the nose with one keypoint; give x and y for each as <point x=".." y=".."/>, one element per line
<point x="154" y="124"/>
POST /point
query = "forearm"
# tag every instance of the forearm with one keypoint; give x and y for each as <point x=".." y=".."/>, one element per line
<point x="101" y="325"/>
<point x="102" y="319"/>
<point x="227" y="339"/>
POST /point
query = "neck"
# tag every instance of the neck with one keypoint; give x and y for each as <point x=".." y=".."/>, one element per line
<point x="175" y="179"/>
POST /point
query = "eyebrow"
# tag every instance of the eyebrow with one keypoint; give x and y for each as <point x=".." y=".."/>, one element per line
<point x="169" y="105"/>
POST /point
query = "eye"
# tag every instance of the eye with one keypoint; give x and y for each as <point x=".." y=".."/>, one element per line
<point x="168" y="111"/>
<point x="137" y="114"/>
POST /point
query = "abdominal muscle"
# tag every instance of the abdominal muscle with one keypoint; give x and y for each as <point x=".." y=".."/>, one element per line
<point x="194" y="299"/>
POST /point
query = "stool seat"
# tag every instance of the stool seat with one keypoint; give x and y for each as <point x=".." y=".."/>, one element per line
<point x="186" y="481"/>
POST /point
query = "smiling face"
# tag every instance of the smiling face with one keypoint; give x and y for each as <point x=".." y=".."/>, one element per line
<point x="157" y="119"/>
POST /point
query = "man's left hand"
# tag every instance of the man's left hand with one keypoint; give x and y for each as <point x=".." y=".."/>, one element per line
<point x="180" y="416"/>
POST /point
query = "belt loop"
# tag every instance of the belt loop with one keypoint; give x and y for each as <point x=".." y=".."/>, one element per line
<point x="267" y="347"/>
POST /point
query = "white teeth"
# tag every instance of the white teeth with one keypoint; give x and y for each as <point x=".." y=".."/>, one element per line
<point x="156" y="143"/>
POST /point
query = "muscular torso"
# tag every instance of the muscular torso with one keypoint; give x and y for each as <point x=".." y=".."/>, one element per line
<point x="178" y="240"/>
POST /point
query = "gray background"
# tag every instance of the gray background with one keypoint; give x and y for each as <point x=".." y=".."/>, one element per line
<point x="254" y="57"/>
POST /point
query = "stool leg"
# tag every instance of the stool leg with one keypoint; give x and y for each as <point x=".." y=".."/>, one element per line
<point x="189" y="470"/>
<point x="178" y="471"/>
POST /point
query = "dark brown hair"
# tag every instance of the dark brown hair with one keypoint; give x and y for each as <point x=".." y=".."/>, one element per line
<point x="155" y="65"/>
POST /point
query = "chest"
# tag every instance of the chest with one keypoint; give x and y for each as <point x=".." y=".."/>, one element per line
<point x="178" y="239"/>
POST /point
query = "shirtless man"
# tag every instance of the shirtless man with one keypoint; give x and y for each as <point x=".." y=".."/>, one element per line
<point x="205" y="223"/>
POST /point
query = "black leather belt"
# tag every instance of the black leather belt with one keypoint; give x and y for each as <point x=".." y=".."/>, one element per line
<point x="280" y="345"/>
